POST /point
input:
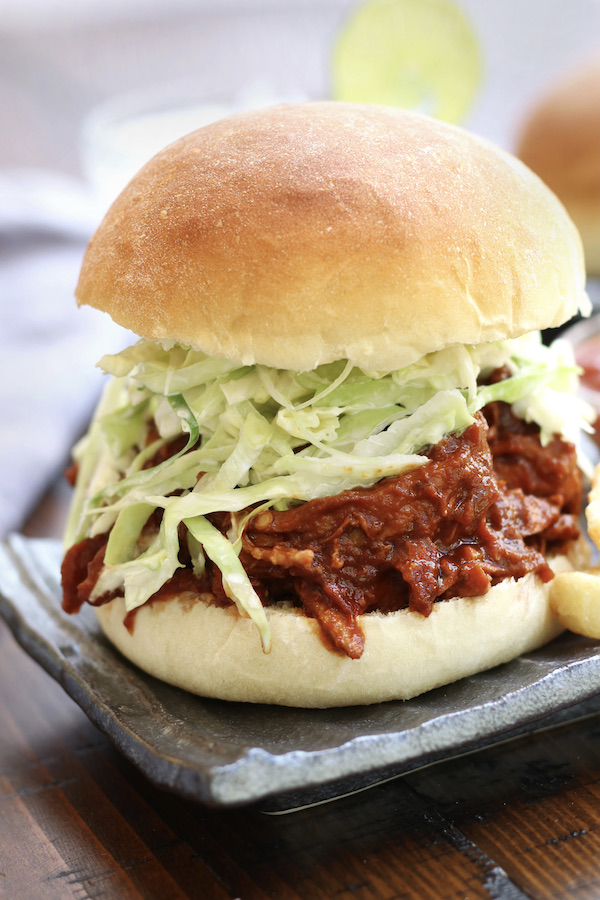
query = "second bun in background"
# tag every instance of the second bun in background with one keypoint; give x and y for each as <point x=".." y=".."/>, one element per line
<point x="560" y="141"/>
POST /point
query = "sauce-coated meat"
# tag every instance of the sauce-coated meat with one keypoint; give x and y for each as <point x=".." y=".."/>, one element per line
<point x="488" y="505"/>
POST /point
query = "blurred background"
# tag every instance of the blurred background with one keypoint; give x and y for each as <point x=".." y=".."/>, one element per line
<point x="74" y="73"/>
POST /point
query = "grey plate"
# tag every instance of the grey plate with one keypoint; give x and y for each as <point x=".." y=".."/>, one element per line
<point x="225" y="754"/>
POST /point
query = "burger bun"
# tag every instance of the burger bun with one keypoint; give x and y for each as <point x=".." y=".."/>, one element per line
<point x="214" y="652"/>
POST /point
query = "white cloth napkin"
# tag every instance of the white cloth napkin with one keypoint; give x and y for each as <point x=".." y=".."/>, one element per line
<point x="49" y="382"/>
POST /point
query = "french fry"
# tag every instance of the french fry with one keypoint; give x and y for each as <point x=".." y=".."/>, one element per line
<point x="575" y="599"/>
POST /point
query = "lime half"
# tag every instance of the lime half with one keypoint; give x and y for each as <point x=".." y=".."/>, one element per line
<point x="418" y="54"/>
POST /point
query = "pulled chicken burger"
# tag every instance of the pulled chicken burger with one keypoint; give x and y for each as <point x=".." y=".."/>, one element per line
<point x="340" y="466"/>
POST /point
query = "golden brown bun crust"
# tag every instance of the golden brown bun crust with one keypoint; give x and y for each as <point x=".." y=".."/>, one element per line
<point x="561" y="142"/>
<point x="303" y="234"/>
<point x="214" y="652"/>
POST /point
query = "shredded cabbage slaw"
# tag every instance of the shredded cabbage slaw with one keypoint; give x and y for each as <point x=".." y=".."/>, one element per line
<point x="263" y="437"/>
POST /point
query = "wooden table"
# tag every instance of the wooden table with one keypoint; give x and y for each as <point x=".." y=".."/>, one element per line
<point x="521" y="820"/>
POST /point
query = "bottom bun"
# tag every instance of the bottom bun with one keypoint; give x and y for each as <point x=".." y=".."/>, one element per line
<point x="216" y="653"/>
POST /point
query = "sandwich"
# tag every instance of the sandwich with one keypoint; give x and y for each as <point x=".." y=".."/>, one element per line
<point x="560" y="141"/>
<point x="339" y="466"/>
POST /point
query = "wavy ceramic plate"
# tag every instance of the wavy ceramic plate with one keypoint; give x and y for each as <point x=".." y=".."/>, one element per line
<point x="226" y="754"/>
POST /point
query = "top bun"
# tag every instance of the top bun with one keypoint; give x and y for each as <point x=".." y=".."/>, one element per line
<point x="298" y="235"/>
<point x="561" y="142"/>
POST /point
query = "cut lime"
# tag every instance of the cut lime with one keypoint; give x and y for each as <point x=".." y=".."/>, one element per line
<point x="418" y="54"/>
